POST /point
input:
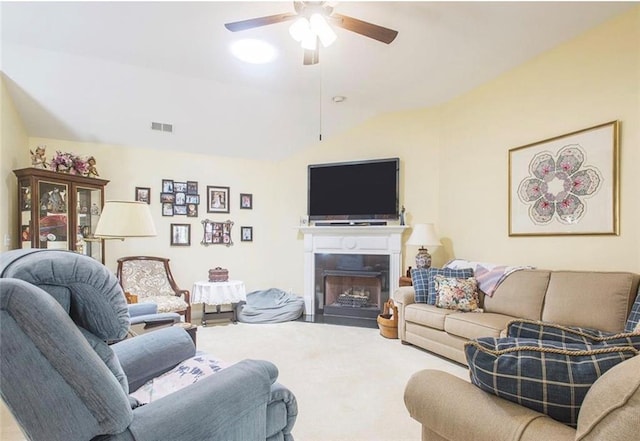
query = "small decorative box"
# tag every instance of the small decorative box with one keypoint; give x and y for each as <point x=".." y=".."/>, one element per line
<point x="218" y="275"/>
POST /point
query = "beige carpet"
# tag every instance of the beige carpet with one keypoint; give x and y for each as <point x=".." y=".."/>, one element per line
<point x="349" y="381"/>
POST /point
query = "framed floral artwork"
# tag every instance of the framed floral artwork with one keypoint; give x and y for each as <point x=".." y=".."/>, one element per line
<point x="246" y="201"/>
<point x="181" y="235"/>
<point x="217" y="199"/>
<point x="567" y="185"/>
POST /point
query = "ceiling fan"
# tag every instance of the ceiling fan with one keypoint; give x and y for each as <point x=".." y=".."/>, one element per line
<point x="313" y="21"/>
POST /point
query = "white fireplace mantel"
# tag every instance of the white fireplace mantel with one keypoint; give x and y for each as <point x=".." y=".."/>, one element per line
<point x="349" y="239"/>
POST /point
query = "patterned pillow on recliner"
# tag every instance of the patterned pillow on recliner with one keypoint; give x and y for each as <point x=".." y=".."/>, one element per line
<point x="522" y="328"/>
<point x="549" y="377"/>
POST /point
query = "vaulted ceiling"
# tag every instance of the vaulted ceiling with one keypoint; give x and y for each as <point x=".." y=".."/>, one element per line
<point x="104" y="71"/>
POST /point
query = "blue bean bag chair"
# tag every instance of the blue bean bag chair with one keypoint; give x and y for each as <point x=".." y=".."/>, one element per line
<point x="270" y="306"/>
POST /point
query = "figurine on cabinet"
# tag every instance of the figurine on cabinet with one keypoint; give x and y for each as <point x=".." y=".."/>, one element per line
<point x="92" y="171"/>
<point x="38" y="159"/>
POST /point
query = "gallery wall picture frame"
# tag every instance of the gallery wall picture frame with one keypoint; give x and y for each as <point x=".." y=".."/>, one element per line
<point x="566" y="185"/>
<point x="192" y="187"/>
<point x="181" y="235"/>
<point x="192" y="210"/>
<point x="179" y="187"/>
<point x="246" y="234"/>
<point x="179" y="210"/>
<point x="217" y="233"/>
<point x="246" y="201"/>
<point x="167" y="209"/>
<point x="217" y="199"/>
<point x="143" y="194"/>
<point x="167" y="186"/>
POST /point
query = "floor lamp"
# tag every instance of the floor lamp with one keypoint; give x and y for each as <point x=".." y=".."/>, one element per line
<point x="122" y="219"/>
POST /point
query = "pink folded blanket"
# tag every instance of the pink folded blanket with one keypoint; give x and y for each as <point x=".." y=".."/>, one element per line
<point x="488" y="275"/>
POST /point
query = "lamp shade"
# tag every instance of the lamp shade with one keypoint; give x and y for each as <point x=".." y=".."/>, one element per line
<point x="424" y="235"/>
<point x="120" y="219"/>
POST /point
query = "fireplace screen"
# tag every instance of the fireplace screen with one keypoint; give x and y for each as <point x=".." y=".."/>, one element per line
<point x="353" y="287"/>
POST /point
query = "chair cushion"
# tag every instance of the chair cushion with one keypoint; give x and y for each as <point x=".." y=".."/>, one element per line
<point x="424" y="283"/>
<point x="549" y="377"/>
<point x="549" y="331"/>
<point x="167" y="303"/>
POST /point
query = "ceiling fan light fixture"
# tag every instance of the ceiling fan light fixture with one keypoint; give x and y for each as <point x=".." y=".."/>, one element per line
<point x="299" y="29"/>
<point x="321" y="28"/>
<point x="309" y="41"/>
<point x="253" y="51"/>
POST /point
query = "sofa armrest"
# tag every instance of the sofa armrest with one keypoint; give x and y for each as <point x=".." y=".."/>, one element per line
<point x="454" y="409"/>
<point x="145" y="308"/>
<point x="405" y="295"/>
<point x="149" y="355"/>
<point x="230" y="405"/>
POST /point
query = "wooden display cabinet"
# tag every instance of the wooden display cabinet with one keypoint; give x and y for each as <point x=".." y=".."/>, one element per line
<point x="59" y="211"/>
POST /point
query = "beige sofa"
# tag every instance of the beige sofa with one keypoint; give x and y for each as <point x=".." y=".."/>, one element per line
<point x="453" y="409"/>
<point x="600" y="300"/>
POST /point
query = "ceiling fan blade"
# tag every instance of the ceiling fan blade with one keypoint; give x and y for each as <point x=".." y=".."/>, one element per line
<point x="380" y="33"/>
<point x="311" y="57"/>
<point x="259" y="21"/>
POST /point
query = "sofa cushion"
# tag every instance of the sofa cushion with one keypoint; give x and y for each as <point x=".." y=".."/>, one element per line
<point x="457" y="294"/>
<point x="427" y="315"/>
<point x="599" y="300"/>
<point x="549" y="377"/>
<point x="424" y="283"/>
<point x="551" y="331"/>
<point x="633" y="321"/>
<point x="521" y="294"/>
<point x="472" y="326"/>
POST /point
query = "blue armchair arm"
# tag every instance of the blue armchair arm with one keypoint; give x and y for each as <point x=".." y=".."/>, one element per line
<point x="149" y="355"/>
<point x="136" y="309"/>
<point x="230" y="405"/>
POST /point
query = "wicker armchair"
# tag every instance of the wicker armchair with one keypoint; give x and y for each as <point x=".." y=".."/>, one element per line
<point x="151" y="280"/>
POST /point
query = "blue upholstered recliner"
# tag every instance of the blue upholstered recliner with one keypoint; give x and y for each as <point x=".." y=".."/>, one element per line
<point x="63" y="382"/>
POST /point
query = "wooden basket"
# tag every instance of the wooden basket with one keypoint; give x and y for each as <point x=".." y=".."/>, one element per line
<point x="388" y="320"/>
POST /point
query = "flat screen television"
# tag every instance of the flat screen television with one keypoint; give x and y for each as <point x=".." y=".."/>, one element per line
<point x="354" y="191"/>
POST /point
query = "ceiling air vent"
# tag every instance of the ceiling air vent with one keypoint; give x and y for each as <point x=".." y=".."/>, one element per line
<point x="162" y="127"/>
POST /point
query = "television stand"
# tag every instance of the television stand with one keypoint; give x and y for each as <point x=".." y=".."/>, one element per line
<point x="350" y="224"/>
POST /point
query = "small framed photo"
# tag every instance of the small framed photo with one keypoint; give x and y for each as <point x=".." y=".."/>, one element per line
<point x="246" y="201"/>
<point x="167" y="185"/>
<point x="192" y="187"/>
<point x="192" y="210"/>
<point x="143" y="194"/>
<point x="217" y="233"/>
<point x="180" y="210"/>
<point x="167" y="209"/>
<point x="167" y="198"/>
<point x="246" y="234"/>
<point x="192" y="199"/>
<point x="181" y="235"/>
<point x="180" y="198"/>
<point x="217" y="199"/>
<point x="180" y="187"/>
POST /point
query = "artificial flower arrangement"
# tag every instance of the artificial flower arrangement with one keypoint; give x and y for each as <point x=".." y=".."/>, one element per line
<point x="74" y="164"/>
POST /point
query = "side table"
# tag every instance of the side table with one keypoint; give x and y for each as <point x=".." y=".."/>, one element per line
<point x="190" y="328"/>
<point x="231" y="293"/>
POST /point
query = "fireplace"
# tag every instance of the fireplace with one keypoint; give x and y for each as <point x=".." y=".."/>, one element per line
<point x="351" y="289"/>
<point x="350" y="272"/>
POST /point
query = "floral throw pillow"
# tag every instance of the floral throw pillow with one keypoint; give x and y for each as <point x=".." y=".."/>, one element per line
<point x="458" y="294"/>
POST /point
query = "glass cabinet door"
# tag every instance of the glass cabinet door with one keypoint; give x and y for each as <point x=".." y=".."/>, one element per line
<point x="53" y="209"/>
<point x="26" y="223"/>
<point x="88" y="206"/>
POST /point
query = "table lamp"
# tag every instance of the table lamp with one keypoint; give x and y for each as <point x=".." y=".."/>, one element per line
<point x="425" y="236"/>
<point x="122" y="219"/>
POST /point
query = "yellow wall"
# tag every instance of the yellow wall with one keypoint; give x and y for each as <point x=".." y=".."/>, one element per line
<point x="453" y="161"/>
<point x="13" y="155"/>
<point x="590" y="80"/>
